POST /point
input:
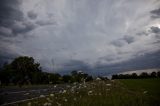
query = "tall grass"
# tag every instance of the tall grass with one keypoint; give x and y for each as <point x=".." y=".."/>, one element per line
<point x="102" y="93"/>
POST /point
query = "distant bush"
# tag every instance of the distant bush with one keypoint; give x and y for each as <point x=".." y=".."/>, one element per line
<point x="23" y="70"/>
<point x="135" y="76"/>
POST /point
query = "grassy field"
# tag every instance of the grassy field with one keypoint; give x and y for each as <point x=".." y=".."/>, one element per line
<point x="128" y="92"/>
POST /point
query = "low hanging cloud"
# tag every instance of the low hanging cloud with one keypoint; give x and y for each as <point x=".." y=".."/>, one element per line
<point x="9" y="14"/>
<point x="46" y="22"/>
<point x="155" y="29"/>
<point x="12" y="20"/>
<point x="32" y="15"/>
<point x="155" y="13"/>
<point x="79" y="34"/>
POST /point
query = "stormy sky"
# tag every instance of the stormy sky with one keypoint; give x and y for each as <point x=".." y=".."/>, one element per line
<point x="99" y="36"/>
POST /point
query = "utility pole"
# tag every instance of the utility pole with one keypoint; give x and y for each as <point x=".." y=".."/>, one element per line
<point x="53" y="64"/>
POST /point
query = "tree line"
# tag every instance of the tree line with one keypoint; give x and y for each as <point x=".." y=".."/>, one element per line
<point x="135" y="76"/>
<point x="24" y="70"/>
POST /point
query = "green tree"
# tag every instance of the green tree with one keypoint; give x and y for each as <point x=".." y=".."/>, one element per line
<point x="134" y="76"/>
<point x="54" y="78"/>
<point x="26" y="67"/>
<point x="158" y="74"/>
<point x="20" y="71"/>
<point x="153" y="75"/>
<point x="66" y="78"/>
<point x="144" y="75"/>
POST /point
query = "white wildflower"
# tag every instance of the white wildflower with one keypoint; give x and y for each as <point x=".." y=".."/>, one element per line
<point x="49" y="100"/>
<point x="98" y="79"/>
<point x="49" y="104"/>
<point x="74" y="87"/>
<point x="26" y="94"/>
<point x="52" y="95"/>
<point x="145" y="92"/>
<point x="108" y="84"/>
<point x="42" y="96"/>
<point x="65" y="100"/>
<point x="45" y="104"/>
<point x="85" y="86"/>
<point x="100" y="94"/>
<point x="29" y="104"/>
<point x="112" y="80"/>
<point x="90" y="92"/>
<point x="64" y="91"/>
<point x="79" y="87"/>
<point x="59" y="104"/>
<point x="75" y="99"/>
<point x="68" y="86"/>
<point x="74" y="83"/>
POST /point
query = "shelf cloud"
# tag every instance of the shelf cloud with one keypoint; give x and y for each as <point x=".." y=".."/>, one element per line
<point x="83" y="34"/>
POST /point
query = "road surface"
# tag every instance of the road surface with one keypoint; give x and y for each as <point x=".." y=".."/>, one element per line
<point x="13" y="94"/>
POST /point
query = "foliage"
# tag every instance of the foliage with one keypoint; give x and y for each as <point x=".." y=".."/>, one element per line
<point x="134" y="92"/>
<point x="135" y="76"/>
<point x="20" y="71"/>
<point x="23" y="70"/>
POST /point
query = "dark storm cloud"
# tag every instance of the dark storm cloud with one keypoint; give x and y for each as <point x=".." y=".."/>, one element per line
<point x="9" y="11"/>
<point x="12" y="23"/>
<point x="75" y="64"/>
<point x="155" y="29"/>
<point x="23" y="27"/>
<point x="83" y="28"/>
<point x="32" y="15"/>
<point x="155" y="13"/>
<point x="5" y="31"/>
<point x="45" y="22"/>
<point x="12" y="20"/>
<point x="118" y="43"/>
<point x="128" y="39"/>
<point x="6" y="56"/>
<point x="146" y="61"/>
<point x="123" y="41"/>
